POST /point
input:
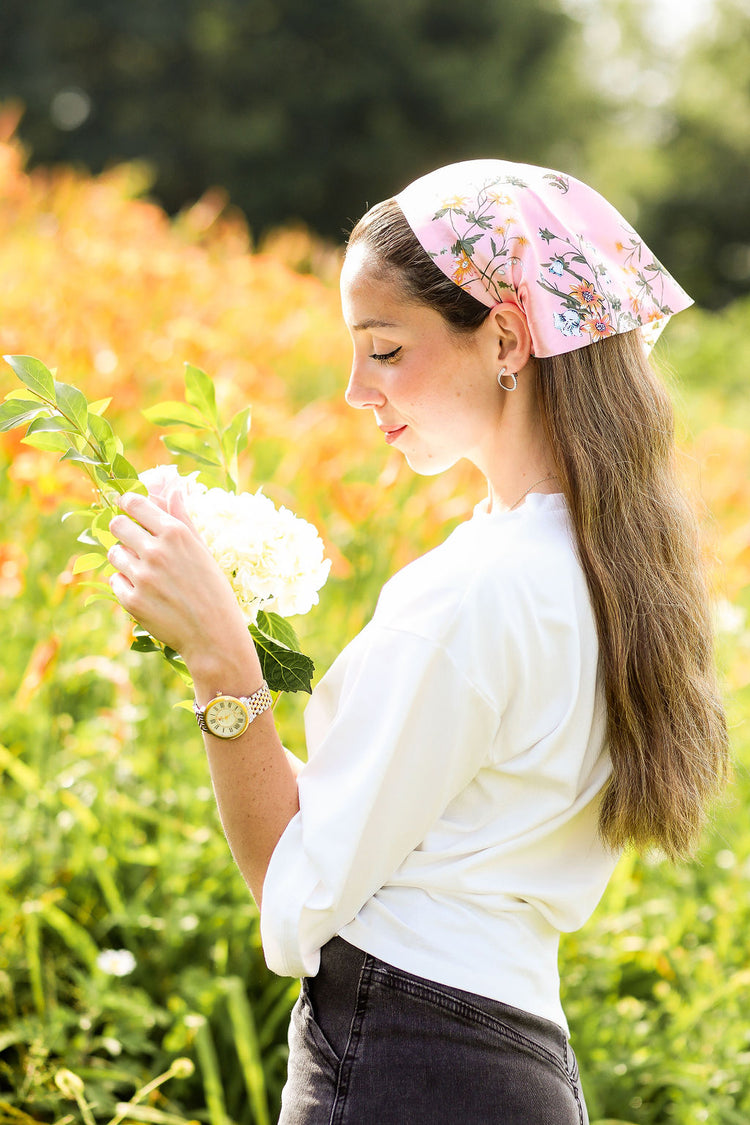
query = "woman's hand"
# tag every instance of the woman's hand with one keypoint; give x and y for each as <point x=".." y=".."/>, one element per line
<point x="169" y="581"/>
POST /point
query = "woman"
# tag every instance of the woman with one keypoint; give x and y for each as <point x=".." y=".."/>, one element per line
<point x="529" y="697"/>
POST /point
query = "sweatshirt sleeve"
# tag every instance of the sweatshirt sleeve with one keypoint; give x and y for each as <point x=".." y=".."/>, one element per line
<point x="395" y="732"/>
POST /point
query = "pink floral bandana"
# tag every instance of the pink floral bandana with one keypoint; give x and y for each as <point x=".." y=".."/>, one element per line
<point x="546" y="242"/>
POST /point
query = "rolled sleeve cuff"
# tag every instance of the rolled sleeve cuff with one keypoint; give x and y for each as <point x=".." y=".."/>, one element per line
<point x="287" y="885"/>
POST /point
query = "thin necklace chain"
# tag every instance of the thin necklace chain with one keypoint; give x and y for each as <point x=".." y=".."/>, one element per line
<point x="550" y="476"/>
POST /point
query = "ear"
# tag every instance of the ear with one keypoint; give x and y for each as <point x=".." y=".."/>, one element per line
<point x="511" y="330"/>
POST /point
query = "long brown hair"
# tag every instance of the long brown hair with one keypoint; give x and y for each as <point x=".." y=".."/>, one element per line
<point x="609" y="423"/>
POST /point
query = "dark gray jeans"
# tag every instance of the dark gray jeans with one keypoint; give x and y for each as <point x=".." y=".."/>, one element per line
<point x="372" y="1045"/>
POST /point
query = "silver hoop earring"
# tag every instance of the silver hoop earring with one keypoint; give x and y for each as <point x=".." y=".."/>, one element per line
<point x="500" y="375"/>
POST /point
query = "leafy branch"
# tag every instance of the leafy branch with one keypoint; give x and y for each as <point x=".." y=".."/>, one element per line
<point x="59" y="419"/>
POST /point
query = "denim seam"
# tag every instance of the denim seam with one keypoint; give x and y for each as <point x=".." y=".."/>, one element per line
<point x="572" y="1069"/>
<point x="349" y="1055"/>
<point x="463" y="1007"/>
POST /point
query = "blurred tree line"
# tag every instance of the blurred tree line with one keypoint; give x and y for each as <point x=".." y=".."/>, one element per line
<point x="312" y="110"/>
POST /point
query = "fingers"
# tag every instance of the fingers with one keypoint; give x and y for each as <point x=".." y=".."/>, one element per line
<point x="123" y="560"/>
<point x="177" y="508"/>
<point x="122" y="588"/>
<point x="144" y="520"/>
<point x="144" y="511"/>
<point x="131" y="534"/>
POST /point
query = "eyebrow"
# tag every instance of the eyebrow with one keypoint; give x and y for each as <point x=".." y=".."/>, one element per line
<point x="374" y="323"/>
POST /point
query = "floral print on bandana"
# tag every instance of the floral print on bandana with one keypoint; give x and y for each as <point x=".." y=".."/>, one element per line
<point x="546" y="242"/>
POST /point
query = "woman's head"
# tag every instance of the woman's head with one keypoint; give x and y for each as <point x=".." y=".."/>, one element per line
<point x="427" y="355"/>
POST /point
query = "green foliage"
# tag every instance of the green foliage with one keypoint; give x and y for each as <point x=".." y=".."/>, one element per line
<point x="208" y="443"/>
<point x="676" y="147"/>
<point x="300" y="110"/>
<point x="111" y="841"/>
<point x="58" y="418"/>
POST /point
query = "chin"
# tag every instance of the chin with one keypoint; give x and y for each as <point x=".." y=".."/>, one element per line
<point x="426" y="466"/>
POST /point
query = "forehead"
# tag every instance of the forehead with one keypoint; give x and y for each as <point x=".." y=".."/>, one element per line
<point x="368" y="289"/>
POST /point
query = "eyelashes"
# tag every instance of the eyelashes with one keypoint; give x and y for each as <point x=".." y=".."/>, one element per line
<point x="386" y="357"/>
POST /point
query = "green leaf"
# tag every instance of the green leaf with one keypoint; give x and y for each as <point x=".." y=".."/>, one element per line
<point x="51" y="424"/>
<point x="144" y="642"/>
<point x="99" y="406"/>
<point x="91" y="561"/>
<point x="122" y="469"/>
<point x="87" y="538"/>
<point x="87" y="512"/>
<point x="283" y="669"/>
<point x="99" y="530"/>
<point x="200" y="393"/>
<point x="192" y="446"/>
<point x="128" y="484"/>
<point x="175" y="414"/>
<point x="103" y="436"/>
<point x="19" y="393"/>
<point x="81" y="458"/>
<point x="72" y="404"/>
<point x="237" y="431"/>
<point x="17" y="411"/>
<point x="104" y="595"/>
<point x="53" y="443"/>
<point x="178" y="664"/>
<point x="234" y="440"/>
<point x="33" y="374"/>
<point x="278" y="629"/>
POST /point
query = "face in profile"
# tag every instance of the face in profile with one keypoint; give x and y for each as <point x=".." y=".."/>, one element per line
<point x="432" y="392"/>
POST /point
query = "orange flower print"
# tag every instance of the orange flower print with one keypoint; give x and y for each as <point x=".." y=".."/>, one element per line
<point x="587" y="297"/>
<point x="500" y="200"/>
<point x="454" y="201"/>
<point x="598" y="327"/>
<point x="619" y="247"/>
<point x="463" y="268"/>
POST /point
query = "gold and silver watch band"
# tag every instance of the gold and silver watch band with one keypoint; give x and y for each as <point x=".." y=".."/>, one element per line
<point x="254" y="705"/>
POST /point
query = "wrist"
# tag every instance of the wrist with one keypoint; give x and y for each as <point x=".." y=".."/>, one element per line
<point x="234" y="669"/>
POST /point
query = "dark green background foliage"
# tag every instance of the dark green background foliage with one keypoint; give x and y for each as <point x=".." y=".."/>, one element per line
<point x="310" y="111"/>
<point x="299" y="109"/>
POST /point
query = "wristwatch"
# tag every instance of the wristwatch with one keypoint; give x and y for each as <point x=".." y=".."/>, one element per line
<point x="229" y="716"/>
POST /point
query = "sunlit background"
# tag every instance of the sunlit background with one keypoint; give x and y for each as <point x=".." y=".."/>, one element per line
<point x="177" y="178"/>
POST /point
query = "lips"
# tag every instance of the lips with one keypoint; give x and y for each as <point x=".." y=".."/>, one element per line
<point x="393" y="435"/>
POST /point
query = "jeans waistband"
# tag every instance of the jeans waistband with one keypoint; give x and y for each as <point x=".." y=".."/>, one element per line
<point x="337" y="982"/>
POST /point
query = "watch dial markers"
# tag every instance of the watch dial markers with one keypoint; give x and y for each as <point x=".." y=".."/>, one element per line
<point x="226" y="718"/>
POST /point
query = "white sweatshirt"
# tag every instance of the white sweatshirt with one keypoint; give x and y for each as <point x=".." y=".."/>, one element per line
<point x="448" y="810"/>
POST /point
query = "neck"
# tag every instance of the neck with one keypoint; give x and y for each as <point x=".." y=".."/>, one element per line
<point x="518" y="459"/>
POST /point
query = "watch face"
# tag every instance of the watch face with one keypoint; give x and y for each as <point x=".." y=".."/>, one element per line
<point x="226" y="717"/>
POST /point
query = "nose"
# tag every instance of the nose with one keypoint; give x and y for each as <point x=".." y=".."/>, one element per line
<point x="360" y="393"/>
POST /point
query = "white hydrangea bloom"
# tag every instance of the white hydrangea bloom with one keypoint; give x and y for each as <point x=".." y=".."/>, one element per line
<point x="272" y="558"/>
